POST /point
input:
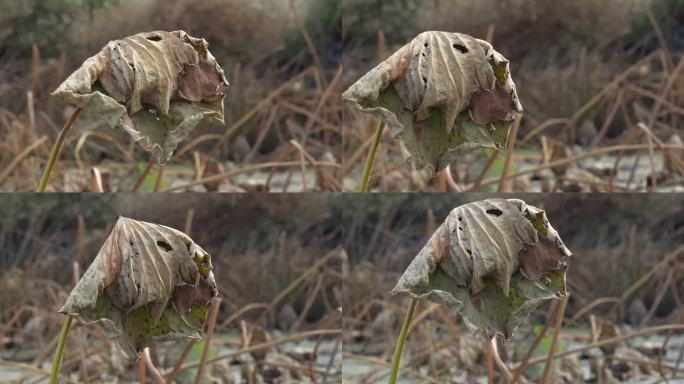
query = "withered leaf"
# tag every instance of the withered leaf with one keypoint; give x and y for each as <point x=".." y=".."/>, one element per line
<point x="157" y="86"/>
<point x="493" y="260"/>
<point x="442" y="95"/>
<point x="148" y="283"/>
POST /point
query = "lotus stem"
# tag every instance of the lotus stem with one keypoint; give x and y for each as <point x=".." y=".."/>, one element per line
<point x="60" y="350"/>
<point x="365" y="178"/>
<point x="403" y="334"/>
<point x="57" y="148"/>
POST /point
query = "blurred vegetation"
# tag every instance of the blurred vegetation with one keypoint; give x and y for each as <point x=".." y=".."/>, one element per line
<point x="669" y="15"/>
<point x="229" y="25"/>
<point x="323" y="21"/>
<point x="248" y="37"/>
<point x="362" y="19"/>
<point x="46" y="23"/>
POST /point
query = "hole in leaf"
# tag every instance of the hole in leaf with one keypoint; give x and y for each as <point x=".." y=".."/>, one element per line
<point x="494" y="212"/>
<point x="166" y="246"/>
<point x="154" y="38"/>
<point x="461" y="48"/>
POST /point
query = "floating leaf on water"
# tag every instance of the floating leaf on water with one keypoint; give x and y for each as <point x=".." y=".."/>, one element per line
<point x="157" y="86"/>
<point x="442" y="95"/>
<point x="494" y="261"/>
<point x="149" y="283"/>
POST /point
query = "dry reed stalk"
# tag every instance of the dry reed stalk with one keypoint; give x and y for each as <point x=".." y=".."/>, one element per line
<point x="176" y="368"/>
<point x="263" y="346"/>
<point x="613" y="340"/>
<point x="143" y="175"/>
<point x="227" y="134"/>
<point x="18" y="159"/>
<point x="643" y="279"/>
<point x="252" y="168"/>
<point x="512" y="138"/>
<point x="160" y="178"/>
<point x="215" y="304"/>
<point x="505" y="372"/>
<point x="96" y="180"/>
<point x="141" y="371"/>
<point x="553" y="314"/>
<point x="593" y="153"/>
<point x="554" y="341"/>
<point x="154" y="372"/>
<point x="490" y="363"/>
<point x="296" y="282"/>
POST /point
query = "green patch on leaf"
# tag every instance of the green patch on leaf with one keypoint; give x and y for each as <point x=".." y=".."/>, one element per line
<point x="499" y="70"/>
<point x="201" y="267"/>
<point x="490" y="310"/>
<point x="429" y="143"/>
<point x="537" y="221"/>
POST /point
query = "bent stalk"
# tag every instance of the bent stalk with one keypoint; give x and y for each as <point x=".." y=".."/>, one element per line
<point x="57" y="361"/>
<point x="365" y="178"/>
<point x="57" y="148"/>
<point x="396" y="360"/>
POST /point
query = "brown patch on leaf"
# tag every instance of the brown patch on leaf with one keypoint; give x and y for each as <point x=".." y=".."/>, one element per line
<point x="488" y="107"/>
<point x="440" y="244"/>
<point x="185" y="296"/>
<point x="201" y="82"/>
<point x="537" y="259"/>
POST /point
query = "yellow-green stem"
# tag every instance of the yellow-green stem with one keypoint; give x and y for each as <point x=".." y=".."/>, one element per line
<point x="57" y="148"/>
<point x="396" y="360"/>
<point x="365" y="178"/>
<point x="57" y="361"/>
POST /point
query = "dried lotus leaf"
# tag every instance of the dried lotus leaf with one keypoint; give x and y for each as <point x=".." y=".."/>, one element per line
<point x="157" y="86"/>
<point x="442" y="95"/>
<point x="494" y="261"/>
<point x="149" y="283"/>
